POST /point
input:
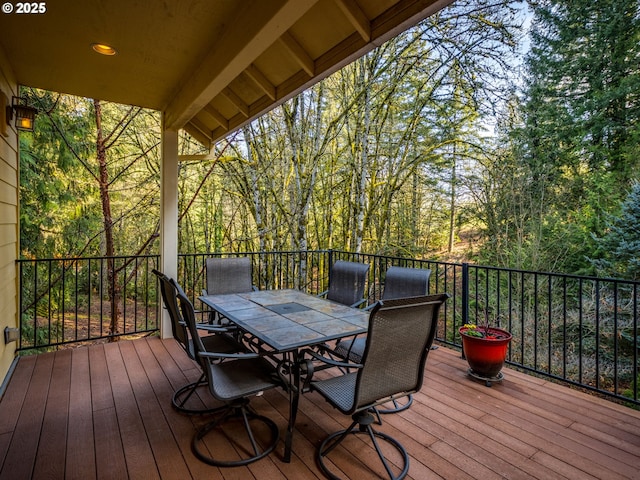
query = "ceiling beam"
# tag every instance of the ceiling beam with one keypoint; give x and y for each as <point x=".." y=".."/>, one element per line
<point x="204" y="139"/>
<point x="201" y="127"/>
<point x="237" y="101"/>
<point x="261" y="81"/>
<point x="263" y="22"/>
<point x="217" y="116"/>
<point x="298" y="53"/>
<point x="357" y="17"/>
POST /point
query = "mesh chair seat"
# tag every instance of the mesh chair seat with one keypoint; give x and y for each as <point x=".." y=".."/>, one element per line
<point x="222" y="343"/>
<point x="351" y="349"/>
<point x="234" y="381"/>
<point x="341" y="390"/>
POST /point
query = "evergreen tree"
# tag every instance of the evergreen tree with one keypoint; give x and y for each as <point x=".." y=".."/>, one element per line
<point x="581" y="112"/>
<point x="583" y="102"/>
<point x="620" y="246"/>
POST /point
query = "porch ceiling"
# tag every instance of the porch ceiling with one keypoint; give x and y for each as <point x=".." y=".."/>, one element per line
<point x="210" y="66"/>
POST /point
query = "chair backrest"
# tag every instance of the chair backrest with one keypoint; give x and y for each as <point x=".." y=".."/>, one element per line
<point x="401" y="282"/>
<point x="347" y="281"/>
<point x="189" y="316"/>
<point x="169" y="291"/>
<point x="229" y="275"/>
<point x="399" y="339"/>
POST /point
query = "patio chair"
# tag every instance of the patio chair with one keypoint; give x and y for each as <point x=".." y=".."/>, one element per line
<point x="228" y="275"/>
<point x="346" y="283"/>
<point x="218" y="340"/>
<point x="233" y="381"/>
<point x="399" y="338"/>
<point x="400" y="282"/>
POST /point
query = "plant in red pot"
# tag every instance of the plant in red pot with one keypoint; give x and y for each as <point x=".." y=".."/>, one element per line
<point x="485" y="349"/>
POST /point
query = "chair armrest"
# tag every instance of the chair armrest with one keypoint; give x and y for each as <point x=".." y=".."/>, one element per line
<point x="207" y="327"/>
<point x="309" y="369"/>
<point x="369" y="307"/>
<point x="358" y="303"/>
<point x="330" y="361"/>
<point x="237" y="356"/>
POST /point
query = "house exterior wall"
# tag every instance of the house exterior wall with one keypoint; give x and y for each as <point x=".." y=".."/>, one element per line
<point x="9" y="227"/>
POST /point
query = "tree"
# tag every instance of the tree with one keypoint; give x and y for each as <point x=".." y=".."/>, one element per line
<point x="581" y="112"/>
<point x="96" y="149"/>
<point x="619" y="246"/>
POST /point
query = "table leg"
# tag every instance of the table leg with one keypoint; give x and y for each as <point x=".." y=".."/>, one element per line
<point x="294" y="400"/>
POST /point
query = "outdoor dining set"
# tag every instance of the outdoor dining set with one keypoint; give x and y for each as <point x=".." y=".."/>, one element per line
<point x="365" y="360"/>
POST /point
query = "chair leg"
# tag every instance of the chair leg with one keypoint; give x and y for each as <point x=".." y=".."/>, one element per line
<point x="362" y="424"/>
<point x="394" y="406"/>
<point x="238" y="410"/>
<point x="399" y="405"/>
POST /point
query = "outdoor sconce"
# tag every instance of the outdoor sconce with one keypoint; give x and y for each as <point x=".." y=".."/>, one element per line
<point x="25" y="115"/>
<point x="11" y="335"/>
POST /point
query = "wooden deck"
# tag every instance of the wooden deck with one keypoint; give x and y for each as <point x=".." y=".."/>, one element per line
<point x="104" y="412"/>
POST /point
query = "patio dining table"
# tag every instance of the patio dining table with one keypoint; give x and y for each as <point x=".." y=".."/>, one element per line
<point x="287" y="321"/>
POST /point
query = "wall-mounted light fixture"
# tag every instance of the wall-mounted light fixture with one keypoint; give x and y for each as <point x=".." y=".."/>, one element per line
<point x="11" y="334"/>
<point x="24" y="114"/>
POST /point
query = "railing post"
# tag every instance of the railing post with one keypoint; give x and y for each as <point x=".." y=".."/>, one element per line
<point x="465" y="293"/>
<point x="464" y="298"/>
<point x="330" y="263"/>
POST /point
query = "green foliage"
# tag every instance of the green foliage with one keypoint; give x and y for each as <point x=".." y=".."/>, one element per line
<point x="61" y="205"/>
<point x="568" y="143"/>
<point x="619" y="246"/>
<point x="382" y="156"/>
<point x="38" y="336"/>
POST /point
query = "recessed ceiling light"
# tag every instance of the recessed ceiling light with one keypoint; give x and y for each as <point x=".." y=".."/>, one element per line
<point x="103" y="49"/>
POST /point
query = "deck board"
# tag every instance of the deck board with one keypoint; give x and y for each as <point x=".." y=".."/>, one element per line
<point x="137" y="441"/>
<point x="56" y="419"/>
<point x="21" y="455"/>
<point x="80" y="433"/>
<point x="104" y="412"/>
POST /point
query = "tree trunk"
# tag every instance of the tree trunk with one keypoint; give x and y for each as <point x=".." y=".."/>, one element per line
<point x="452" y="201"/>
<point x="112" y="281"/>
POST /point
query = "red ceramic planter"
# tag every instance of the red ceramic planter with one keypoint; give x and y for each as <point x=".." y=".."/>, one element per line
<point x="486" y="355"/>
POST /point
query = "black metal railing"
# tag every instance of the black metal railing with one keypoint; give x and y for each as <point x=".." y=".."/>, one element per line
<point x="580" y="330"/>
<point x="74" y="300"/>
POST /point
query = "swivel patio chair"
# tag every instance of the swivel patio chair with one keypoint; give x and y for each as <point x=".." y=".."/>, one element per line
<point x="399" y="338"/>
<point x="228" y="275"/>
<point x="233" y="381"/>
<point x="218" y="340"/>
<point x="400" y="282"/>
<point x="346" y="283"/>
